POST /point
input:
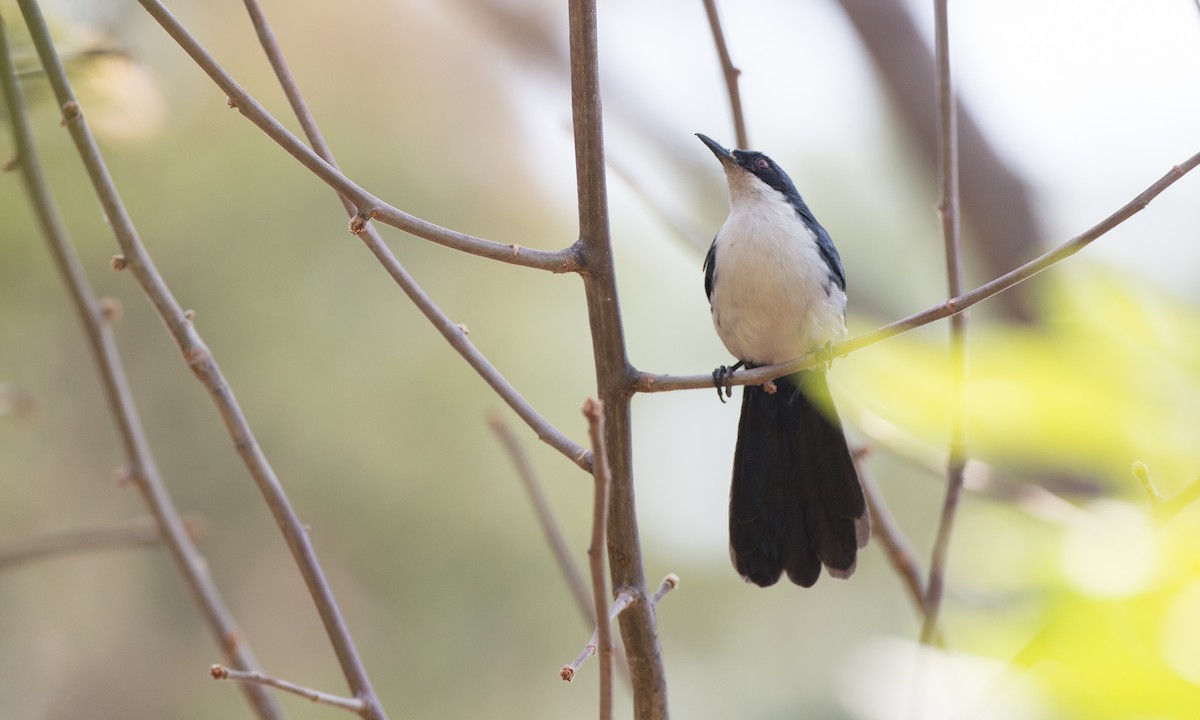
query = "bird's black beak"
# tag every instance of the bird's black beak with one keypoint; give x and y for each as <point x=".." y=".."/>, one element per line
<point x="718" y="149"/>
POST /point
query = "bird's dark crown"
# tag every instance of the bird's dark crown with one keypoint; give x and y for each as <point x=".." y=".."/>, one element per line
<point x="767" y="170"/>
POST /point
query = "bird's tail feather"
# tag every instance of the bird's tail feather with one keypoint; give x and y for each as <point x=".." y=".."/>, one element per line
<point x="796" y="503"/>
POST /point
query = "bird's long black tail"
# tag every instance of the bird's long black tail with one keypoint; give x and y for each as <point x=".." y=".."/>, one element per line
<point x="796" y="503"/>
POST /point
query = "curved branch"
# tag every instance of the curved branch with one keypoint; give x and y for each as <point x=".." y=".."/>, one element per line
<point x="140" y="464"/>
<point x="204" y="365"/>
<point x="369" y="206"/>
<point x="451" y="331"/>
<point x="651" y="382"/>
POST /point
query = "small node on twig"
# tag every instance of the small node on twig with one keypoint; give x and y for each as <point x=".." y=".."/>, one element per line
<point x="229" y="103"/>
<point x="1142" y="473"/>
<point x="769" y="387"/>
<point x="463" y="327"/>
<point x="231" y="641"/>
<point x="358" y="223"/>
<point x="219" y="672"/>
<point x="189" y="314"/>
<point x="196" y="357"/>
<point x="669" y="583"/>
<point x="117" y="263"/>
<point x="592" y="408"/>
<point x="567" y="673"/>
<point x="70" y="112"/>
<point x="110" y="309"/>
<point x="516" y="249"/>
<point x="124" y="477"/>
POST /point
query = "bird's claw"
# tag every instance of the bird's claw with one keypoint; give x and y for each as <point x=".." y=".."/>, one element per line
<point x="723" y="380"/>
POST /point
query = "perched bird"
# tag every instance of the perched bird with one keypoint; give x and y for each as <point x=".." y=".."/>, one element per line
<point x="777" y="291"/>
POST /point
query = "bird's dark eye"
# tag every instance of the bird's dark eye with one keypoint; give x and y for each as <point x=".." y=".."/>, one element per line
<point x="762" y="164"/>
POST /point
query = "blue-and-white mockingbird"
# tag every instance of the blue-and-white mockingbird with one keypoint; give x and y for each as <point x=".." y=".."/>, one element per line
<point x="777" y="291"/>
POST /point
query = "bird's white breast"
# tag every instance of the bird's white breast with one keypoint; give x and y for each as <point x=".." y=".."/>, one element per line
<point x="770" y="301"/>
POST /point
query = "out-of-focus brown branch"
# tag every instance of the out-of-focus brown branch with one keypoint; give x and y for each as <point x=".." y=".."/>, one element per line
<point x="948" y="208"/>
<point x="614" y="374"/>
<point x="202" y="363"/>
<point x="550" y="528"/>
<point x="887" y="533"/>
<point x="143" y="531"/>
<point x="368" y="206"/>
<point x="546" y="520"/>
<point x="354" y="705"/>
<point x="451" y="331"/>
<point x="996" y="203"/>
<point x="651" y="382"/>
<point x="141" y="467"/>
<point x="731" y="74"/>
<point x="593" y="410"/>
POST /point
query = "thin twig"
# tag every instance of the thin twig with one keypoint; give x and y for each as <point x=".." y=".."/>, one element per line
<point x="593" y="410"/>
<point x="669" y="583"/>
<point x="140" y="464"/>
<point x="622" y="601"/>
<point x="1163" y="508"/>
<point x="220" y="672"/>
<point x="949" y="210"/>
<point x="451" y="331"/>
<point x="614" y="373"/>
<point x="546" y="519"/>
<point x="143" y="531"/>
<point x="368" y="206"/>
<point x="1142" y="474"/>
<point x="1178" y="502"/>
<point x="887" y="532"/>
<point x="651" y="382"/>
<point x="204" y="365"/>
<point x="731" y="73"/>
<point x="552" y="530"/>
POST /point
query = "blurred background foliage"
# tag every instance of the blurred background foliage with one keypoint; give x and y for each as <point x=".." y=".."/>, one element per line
<point x="459" y="113"/>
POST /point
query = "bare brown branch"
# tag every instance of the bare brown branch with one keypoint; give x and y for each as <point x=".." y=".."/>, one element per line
<point x="203" y="365"/>
<point x="546" y="519"/>
<point x="949" y="210"/>
<point x="141" y="466"/>
<point x="354" y="705"/>
<point x="451" y="331"/>
<point x="730" y="72"/>
<point x="143" y="531"/>
<point x="593" y="410"/>
<point x="622" y="601"/>
<point x="368" y="206"/>
<point x="888" y="534"/>
<point x="613" y="370"/>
